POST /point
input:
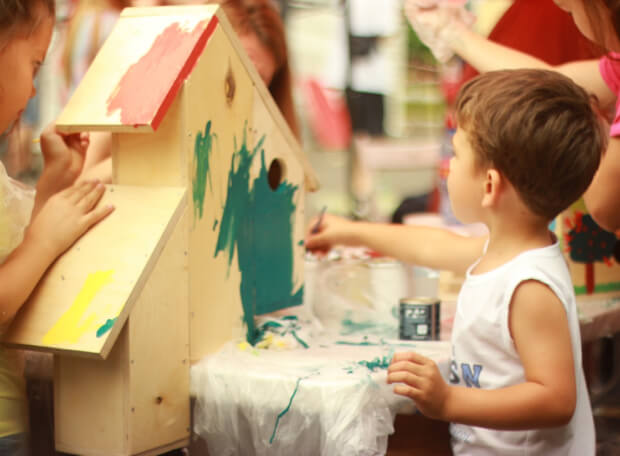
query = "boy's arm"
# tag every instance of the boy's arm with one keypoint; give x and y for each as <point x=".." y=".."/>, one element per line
<point x="547" y="398"/>
<point x="435" y="248"/>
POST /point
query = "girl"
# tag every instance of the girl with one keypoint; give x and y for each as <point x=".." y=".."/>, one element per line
<point x="61" y="213"/>
<point x="597" y="20"/>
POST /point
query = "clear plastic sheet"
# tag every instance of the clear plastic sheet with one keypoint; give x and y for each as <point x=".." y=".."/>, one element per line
<point x="16" y="202"/>
<point x="327" y="397"/>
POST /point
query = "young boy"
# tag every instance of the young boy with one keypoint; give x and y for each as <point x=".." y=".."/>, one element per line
<point x="527" y="146"/>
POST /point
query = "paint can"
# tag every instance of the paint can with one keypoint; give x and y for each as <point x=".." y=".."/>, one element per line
<point x="419" y="318"/>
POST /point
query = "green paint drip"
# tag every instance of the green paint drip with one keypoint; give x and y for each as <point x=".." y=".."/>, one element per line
<point x="104" y="328"/>
<point x="302" y="342"/>
<point x="285" y="411"/>
<point x="258" y="221"/>
<point x="202" y="151"/>
<point x="215" y="222"/>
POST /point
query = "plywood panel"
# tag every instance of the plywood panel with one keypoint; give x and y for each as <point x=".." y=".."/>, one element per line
<point x="137" y="400"/>
<point x="83" y="300"/>
<point x="159" y="351"/>
<point x="312" y="181"/>
<point x="138" y="70"/>
<point x="217" y="129"/>
<point x="153" y="159"/>
<point x="292" y="175"/>
<point x="90" y="402"/>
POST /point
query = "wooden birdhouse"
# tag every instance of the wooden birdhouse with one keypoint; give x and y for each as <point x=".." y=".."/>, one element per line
<point x="592" y="254"/>
<point x="208" y="230"/>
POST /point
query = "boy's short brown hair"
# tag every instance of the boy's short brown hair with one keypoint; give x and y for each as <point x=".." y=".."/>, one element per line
<point x="538" y="129"/>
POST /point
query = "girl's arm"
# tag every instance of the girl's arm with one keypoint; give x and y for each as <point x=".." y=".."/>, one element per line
<point x="485" y="55"/>
<point x="65" y="217"/>
<point x="602" y="196"/>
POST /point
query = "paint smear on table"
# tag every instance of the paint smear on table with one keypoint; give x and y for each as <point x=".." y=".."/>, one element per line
<point x="258" y="221"/>
<point x="148" y="88"/>
<point x="77" y="320"/>
<point x="202" y="151"/>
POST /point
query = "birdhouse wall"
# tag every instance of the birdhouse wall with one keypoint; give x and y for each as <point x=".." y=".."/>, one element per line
<point x="246" y="253"/>
<point x="154" y="159"/>
<point x="137" y="400"/>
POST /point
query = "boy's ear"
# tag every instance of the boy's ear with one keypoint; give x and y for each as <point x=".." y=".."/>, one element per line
<point x="492" y="187"/>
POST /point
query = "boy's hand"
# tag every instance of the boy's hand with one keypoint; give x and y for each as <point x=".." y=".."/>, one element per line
<point x="63" y="157"/>
<point x="331" y="230"/>
<point x="66" y="216"/>
<point x="419" y="379"/>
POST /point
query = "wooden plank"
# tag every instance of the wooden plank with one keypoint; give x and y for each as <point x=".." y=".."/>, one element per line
<point x="90" y="402"/>
<point x="159" y="351"/>
<point x="81" y="303"/>
<point x="137" y="400"/>
<point x="217" y="130"/>
<point x="311" y="179"/>
<point x="275" y="146"/>
<point x="153" y="159"/>
<point x="138" y="71"/>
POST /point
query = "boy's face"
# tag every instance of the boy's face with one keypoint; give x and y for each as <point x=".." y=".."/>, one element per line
<point x="465" y="182"/>
<point x="20" y="59"/>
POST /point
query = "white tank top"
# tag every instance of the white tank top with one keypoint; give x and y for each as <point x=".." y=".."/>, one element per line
<point x="484" y="356"/>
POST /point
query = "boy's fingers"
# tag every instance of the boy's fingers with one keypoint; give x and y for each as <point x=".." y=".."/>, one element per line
<point x="407" y="391"/>
<point x="407" y="368"/>
<point x="411" y="357"/>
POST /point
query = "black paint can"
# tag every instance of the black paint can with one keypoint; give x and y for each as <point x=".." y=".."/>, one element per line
<point x="419" y="318"/>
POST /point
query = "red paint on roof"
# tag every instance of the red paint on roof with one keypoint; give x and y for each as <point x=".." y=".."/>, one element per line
<point x="148" y="88"/>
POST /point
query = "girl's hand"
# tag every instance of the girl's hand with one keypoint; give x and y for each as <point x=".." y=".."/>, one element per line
<point x="63" y="156"/>
<point x="331" y="230"/>
<point x="419" y="379"/>
<point x="66" y="216"/>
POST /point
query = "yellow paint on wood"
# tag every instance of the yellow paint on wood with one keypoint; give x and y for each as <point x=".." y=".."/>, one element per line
<point x="76" y="321"/>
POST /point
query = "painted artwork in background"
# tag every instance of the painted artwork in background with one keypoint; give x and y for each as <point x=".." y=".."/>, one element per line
<point x="588" y="244"/>
<point x="144" y="100"/>
<point x="78" y="320"/>
<point x="258" y="222"/>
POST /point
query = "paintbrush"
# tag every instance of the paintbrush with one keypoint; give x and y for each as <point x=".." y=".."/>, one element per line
<point x="317" y="225"/>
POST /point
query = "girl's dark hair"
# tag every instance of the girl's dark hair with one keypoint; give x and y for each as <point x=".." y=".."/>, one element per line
<point x="21" y="15"/>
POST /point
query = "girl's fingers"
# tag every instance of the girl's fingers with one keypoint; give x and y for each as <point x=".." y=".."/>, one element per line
<point x="92" y="197"/>
<point x="80" y="190"/>
<point x="97" y="214"/>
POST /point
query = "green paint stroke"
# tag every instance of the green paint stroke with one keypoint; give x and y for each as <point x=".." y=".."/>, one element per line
<point x="286" y="409"/>
<point x="202" y="151"/>
<point x="104" y="328"/>
<point x="259" y="222"/>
